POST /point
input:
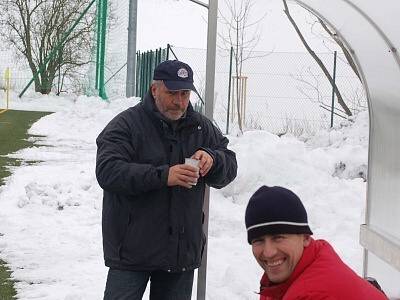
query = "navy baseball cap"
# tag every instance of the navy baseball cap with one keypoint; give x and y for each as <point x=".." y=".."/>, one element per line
<point x="175" y="74"/>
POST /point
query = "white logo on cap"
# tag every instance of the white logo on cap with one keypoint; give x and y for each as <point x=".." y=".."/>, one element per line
<point x="183" y="73"/>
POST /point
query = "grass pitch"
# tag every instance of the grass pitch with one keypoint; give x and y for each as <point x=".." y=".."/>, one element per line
<point x="13" y="136"/>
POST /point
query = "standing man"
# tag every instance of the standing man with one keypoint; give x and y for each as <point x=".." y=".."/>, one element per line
<point x="295" y="265"/>
<point x="153" y="202"/>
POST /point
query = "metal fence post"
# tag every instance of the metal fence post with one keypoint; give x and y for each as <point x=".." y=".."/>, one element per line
<point x="98" y="26"/>
<point x="59" y="72"/>
<point x="142" y="72"/>
<point x="333" y="87"/>
<point x="145" y="64"/>
<point x="229" y="91"/>
<point x="149" y="77"/>
<point x="137" y="81"/>
<point x="103" y="30"/>
<point x="209" y="111"/>
<point x="130" y="62"/>
<point x="7" y="77"/>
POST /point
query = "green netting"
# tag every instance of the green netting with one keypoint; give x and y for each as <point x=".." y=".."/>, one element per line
<point x="115" y="47"/>
<point x="52" y="50"/>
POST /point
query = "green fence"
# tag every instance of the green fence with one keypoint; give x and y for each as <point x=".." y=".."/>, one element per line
<point x="145" y="64"/>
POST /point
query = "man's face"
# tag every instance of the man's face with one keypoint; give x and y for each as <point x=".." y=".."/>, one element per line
<point x="279" y="254"/>
<point x="172" y="104"/>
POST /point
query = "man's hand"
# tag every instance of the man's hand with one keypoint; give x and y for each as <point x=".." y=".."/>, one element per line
<point x="205" y="161"/>
<point x="183" y="175"/>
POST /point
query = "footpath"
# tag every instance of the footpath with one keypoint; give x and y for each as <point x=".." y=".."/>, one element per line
<point x="14" y="125"/>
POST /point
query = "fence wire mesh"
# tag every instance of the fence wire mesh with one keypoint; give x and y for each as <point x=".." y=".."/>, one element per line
<point x="20" y="73"/>
<point x="116" y="48"/>
<point x="286" y="92"/>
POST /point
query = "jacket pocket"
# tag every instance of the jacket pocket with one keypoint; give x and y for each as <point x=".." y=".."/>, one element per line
<point x="183" y="253"/>
<point x="114" y="225"/>
<point x="124" y="236"/>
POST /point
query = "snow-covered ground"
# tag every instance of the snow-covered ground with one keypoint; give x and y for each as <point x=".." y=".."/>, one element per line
<point x="50" y="216"/>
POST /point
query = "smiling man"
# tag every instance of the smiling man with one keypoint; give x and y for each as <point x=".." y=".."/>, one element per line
<point x="295" y="265"/>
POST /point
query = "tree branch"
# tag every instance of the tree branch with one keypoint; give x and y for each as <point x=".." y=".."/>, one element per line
<point x="317" y="60"/>
<point x="346" y="52"/>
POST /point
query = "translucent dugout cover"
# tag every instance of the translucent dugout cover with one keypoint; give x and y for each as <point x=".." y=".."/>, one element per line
<point x="371" y="31"/>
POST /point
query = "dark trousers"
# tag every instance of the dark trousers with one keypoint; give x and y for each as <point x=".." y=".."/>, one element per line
<point x="130" y="285"/>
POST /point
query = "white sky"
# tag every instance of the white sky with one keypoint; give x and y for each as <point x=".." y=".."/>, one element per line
<point x="183" y="23"/>
<point x="51" y="212"/>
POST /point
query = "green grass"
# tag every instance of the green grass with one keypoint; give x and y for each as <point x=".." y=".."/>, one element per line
<point x="13" y="136"/>
<point x="7" y="291"/>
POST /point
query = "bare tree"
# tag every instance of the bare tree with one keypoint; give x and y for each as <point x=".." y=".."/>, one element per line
<point x="311" y="89"/>
<point x="318" y="60"/>
<point x="35" y="27"/>
<point x="241" y="34"/>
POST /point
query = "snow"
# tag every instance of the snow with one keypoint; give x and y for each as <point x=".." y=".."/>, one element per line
<point x="50" y="213"/>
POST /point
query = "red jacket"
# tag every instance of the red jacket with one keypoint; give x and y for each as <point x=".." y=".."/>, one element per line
<point x="320" y="274"/>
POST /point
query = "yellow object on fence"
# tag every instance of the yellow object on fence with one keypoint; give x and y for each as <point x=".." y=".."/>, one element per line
<point x="7" y="77"/>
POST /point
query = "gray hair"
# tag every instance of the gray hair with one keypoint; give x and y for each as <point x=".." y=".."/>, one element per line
<point x="157" y="82"/>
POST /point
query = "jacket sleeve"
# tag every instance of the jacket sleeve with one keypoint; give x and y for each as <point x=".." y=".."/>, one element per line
<point x="116" y="169"/>
<point x="224" y="167"/>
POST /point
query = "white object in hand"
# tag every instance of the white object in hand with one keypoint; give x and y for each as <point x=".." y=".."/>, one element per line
<point x="194" y="163"/>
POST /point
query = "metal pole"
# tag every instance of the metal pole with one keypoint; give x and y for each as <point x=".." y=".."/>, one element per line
<point x="149" y="74"/>
<point x="143" y="72"/>
<point x="244" y="98"/>
<point x="59" y="72"/>
<point x="209" y="107"/>
<point x="98" y="28"/>
<point x="115" y="74"/>
<point x="333" y="87"/>
<point x="229" y="91"/>
<point x="200" y="3"/>
<point x="102" y="90"/>
<point x="131" y="57"/>
<point x="8" y="86"/>
<point x="137" y="79"/>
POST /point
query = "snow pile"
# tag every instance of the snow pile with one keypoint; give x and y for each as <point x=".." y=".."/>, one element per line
<point x="348" y="143"/>
<point x="50" y="214"/>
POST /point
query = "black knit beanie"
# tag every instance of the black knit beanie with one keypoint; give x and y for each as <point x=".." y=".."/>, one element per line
<point x="275" y="210"/>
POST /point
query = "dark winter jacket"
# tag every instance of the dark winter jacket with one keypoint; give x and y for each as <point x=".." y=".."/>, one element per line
<point x="146" y="224"/>
<point x="320" y="275"/>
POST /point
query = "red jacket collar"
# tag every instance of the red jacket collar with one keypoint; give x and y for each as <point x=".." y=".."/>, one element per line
<point x="269" y="291"/>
